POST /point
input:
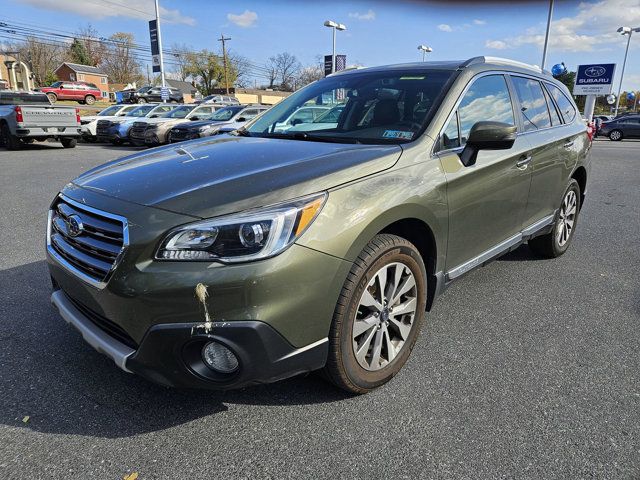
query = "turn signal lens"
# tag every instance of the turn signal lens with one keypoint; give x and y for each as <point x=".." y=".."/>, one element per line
<point x="307" y="214"/>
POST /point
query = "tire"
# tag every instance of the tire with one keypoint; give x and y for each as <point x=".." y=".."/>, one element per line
<point x="615" y="135"/>
<point x="69" y="142"/>
<point x="89" y="99"/>
<point x="173" y="101"/>
<point x="11" y="142"/>
<point x="142" y="100"/>
<point x="53" y="98"/>
<point x="553" y="244"/>
<point x="116" y="141"/>
<point x="377" y="325"/>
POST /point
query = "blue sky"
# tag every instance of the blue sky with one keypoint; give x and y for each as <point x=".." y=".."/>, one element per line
<point x="378" y="32"/>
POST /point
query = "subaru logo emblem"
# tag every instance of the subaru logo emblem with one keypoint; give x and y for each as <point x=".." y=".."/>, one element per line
<point x="595" y="71"/>
<point x="74" y="226"/>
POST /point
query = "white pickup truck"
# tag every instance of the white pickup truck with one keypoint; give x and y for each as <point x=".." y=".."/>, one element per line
<point x="29" y="116"/>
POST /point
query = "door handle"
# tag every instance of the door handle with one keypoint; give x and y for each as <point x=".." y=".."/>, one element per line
<point x="523" y="162"/>
<point x="568" y="144"/>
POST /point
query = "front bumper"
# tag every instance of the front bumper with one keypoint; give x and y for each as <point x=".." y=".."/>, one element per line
<point x="278" y="306"/>
<point x="170" y="353"/>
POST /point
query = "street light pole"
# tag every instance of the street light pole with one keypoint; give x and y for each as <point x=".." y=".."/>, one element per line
<point x="160" y="47"/>
<point x="624" y="31"/>
<point x="425" y="50"/>
<point x="335" y="26"/>
<point x="546" y="36"/>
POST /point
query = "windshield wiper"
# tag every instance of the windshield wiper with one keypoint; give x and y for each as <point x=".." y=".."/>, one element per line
<point x="312" y="138"/>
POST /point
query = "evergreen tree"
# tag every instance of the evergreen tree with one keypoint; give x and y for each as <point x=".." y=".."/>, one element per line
<point x="78" y="53"/>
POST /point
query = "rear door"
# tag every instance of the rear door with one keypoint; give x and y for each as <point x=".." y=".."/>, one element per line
<point x="486" y="200"/>
<point x="553" y="154"/>
<point x="631" y="127"/>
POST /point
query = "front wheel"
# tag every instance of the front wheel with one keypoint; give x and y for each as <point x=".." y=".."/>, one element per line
<point x="615" y="135"/>
<point x="53" y="98"/>
<point x="142" y="100"/>
<point x="378" y="316"/>
<point x="557" y="242"/>
<point x="69" y="142"/>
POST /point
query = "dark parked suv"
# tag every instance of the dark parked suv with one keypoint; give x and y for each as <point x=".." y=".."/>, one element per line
<point x="149" y="94"/>
<point x="251" y="257"/>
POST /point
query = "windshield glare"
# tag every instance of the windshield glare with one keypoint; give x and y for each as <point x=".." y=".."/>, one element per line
<point x="179" y="112"/>
<point x="225" y="113"/>
<point x="109" y="111"/>
<point x="372" y="107"/>
<point x="140" y="111"/>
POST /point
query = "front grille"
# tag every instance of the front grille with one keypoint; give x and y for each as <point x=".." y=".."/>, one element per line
<point x="177" y="135"/>
<point x="85" y="239"/>
<point x="104" y="324"/>
<point x="102" y="128"/>
<point x="137" y="131"/>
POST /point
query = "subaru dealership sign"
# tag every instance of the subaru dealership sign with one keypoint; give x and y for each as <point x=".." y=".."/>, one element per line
<point x="594" y="79"/>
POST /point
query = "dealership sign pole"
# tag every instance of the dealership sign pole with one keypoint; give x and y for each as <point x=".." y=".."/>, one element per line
<point x="156" y="51"/>
<point x="593" y="80"/>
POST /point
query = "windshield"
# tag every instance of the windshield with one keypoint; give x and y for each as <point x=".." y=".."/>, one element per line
<point x="112" y="110"/>
<point x="179" y="112"/>
<point x="140" y="111"/>
<point x="55" y="84"/>
<point x="225" y="113"/>
<point x="391" y="106"/>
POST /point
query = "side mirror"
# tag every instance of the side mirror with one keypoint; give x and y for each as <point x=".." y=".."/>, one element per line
<point x="487" y="136"/>
<point x="154" y="116"/>
<point x="241" y="119"/>
<point x="297" y="121"/>
<point x="194" y="118"/>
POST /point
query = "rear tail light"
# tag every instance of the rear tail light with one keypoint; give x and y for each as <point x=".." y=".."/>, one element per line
<point x="78" y="115"/>
<point x="19" y="117"/>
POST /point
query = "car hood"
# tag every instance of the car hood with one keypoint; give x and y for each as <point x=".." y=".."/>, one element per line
<point x="195" y="124"/>
<point x="219" y="175"/>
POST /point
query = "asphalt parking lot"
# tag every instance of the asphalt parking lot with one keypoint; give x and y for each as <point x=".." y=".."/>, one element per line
<point x="526" y="368"/>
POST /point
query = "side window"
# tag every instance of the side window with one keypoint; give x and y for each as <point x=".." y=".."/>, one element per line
<point x="565" y="105"/>
<point x="555" y="117"/>
<point x="535" y="114"/>
<point x="450" y="135"/>
<point x="486" y="100"/>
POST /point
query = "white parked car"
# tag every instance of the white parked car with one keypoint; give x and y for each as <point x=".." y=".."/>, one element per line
<point x="302" y="115"/>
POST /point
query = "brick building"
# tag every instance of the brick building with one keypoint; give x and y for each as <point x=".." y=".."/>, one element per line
<point x="74" y="72"/>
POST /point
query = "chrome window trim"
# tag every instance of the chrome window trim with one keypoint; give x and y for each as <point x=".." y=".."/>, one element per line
<point x="516" y="115"/>
<point x="99" y="284"/>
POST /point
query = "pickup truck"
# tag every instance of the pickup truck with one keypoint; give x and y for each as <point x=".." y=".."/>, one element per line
<point x="29" y="116"/>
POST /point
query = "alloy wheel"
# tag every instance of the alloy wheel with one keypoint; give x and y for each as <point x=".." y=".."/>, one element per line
<point x="385" y="316"/>
<point x="615" y="135"/>
<point x="567" y="218"/>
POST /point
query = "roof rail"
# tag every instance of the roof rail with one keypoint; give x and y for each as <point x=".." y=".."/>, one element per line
<point x="503" y="61"/>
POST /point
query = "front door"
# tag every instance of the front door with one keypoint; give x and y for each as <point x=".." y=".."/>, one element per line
<point x="486" y="200"/>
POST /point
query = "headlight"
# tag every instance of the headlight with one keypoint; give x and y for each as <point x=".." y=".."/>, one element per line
<point x="245" y="236"/>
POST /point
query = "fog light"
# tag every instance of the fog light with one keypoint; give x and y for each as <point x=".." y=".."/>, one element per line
<point x="219" y="358"/>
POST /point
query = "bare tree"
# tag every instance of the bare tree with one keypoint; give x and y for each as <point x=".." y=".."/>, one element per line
<point x="96" y="49"/>
<point x="178" y="57"/>
<point x="120" y="62"/>
<point x="283" y="69"/>
<point x="43" y="58"/>
<point x="309" y="74"/>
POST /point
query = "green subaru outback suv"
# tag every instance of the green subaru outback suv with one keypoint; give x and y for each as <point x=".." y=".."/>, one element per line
<point x="251" y="257"/>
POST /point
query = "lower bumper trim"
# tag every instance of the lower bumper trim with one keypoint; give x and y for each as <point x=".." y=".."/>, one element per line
<point x="94" y="336"/>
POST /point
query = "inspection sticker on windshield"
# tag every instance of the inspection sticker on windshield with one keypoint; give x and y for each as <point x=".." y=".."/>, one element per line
<point x="398" y="134"/>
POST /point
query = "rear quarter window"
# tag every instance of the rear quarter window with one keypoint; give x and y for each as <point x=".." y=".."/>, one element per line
<point x="565" y="105"/>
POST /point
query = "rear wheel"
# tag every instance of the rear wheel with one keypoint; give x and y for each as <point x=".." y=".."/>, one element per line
<point x="116" y="141"/>
<point x="142" y="100"/>
<point x="53" y="98"/>
<point x="615" y="135"/>
<point x="378" y="315"/>
<point x="69" y="142"/>
<point x="11" y="142"/>
<point x="557" y="242"/>
<point x="89" y="99"/>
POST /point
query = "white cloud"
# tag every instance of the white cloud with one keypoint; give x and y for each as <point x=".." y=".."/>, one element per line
<point x="445" y="28"/>
<point x="370" y="15"/>
<point x="141" y="9"/>
<point x="496" y="44"/>
<point x="479" y="22"/>
<point x="593" y="27"/>
<point x="244" y="19"/>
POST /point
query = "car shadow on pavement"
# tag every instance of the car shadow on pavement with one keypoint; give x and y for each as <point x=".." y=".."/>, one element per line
<point x="520" y="254"/>
<point x="48" y="373"/>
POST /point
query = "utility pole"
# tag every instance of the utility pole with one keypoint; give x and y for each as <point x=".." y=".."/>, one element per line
<point x="148" y="75"/>
<point x="224" y="61"/>
<point x="546" y="36"/>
